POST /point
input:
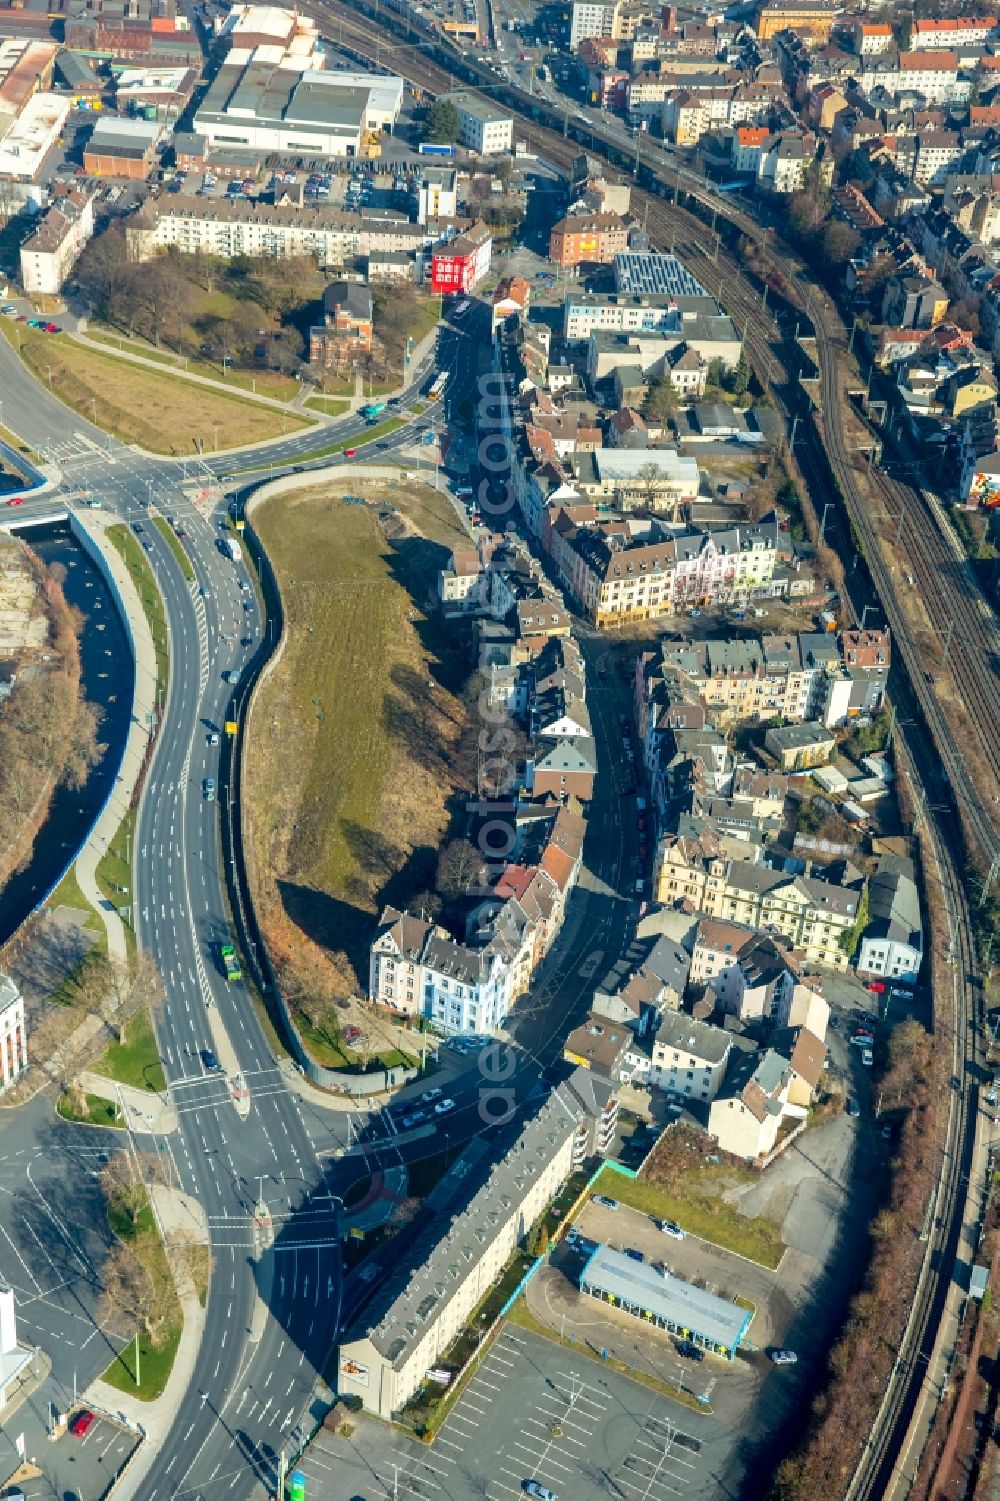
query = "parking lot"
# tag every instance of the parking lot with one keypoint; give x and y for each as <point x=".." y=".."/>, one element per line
<point x="79" y="1467"/>
<point x="532" y="1412"/>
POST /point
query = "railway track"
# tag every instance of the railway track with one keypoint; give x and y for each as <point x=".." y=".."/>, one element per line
<point x="946" y="591"/>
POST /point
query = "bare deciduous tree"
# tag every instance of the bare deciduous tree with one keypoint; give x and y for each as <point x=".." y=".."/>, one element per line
<point x="126" y="1179"/>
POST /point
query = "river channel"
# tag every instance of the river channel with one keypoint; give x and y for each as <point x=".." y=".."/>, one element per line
<point x="106" y="676"/>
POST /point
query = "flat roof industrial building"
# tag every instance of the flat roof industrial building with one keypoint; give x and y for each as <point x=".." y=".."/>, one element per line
<point x="666" y="1301"/>
<point x="305" y="113"/>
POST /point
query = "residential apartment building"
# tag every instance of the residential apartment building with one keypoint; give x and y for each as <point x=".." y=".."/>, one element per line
<point x="745" y="1117"/>
<point x="690" y="1057"/>
<point x="811" y="913"/>
<point x="437" y="195"/>
<point x="813" y="17"/>
<point x="418" y="969"/>
<point x="482" y="127"/>
<point x="892" y="943"/>
<point x="951" y="31"/>
<point x="458" y="265"/>
<point x="585" y="313"/>
<point x="345" y="335"/>
<point x="593" y="239"/>
<point x="196" y="226"/>
<point x="13" y="1033"/>
<point x="426" y="1301"/>
<point x="51" y="251"/>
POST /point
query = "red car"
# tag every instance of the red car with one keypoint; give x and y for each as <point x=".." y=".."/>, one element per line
<point x="52" y="328"/>
<point x="350" y="453"/>
<point x="82" y="1423"/>
<point x="18" y="500"/>
<point x="875" y="986"/>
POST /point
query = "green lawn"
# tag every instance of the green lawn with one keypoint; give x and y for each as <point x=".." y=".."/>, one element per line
<point x="701" y="1211"/>
<point x="379" y="430"/>
<point x="155" y="1363"/>
<point x="142" y="576"/>
<point x="14" y="442"/>
<point x="114" y="873"/>
<point x="330" y="406"/>
<point x="174" y="543"/>
<point x="136" y="1061"/>
<point x="155" y="406"/>
<point x="99" y="1111"/>
<point x="262" y="382"/>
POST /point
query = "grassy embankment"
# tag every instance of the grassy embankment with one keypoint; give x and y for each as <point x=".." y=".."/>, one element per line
<point x="161" y="412"/>
<point x="349" y="706"/>
<point x="698" y="1207"/>
<point x="155" y="1359"/>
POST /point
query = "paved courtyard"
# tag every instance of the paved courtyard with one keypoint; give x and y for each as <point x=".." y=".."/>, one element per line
<point x="533" y="1411"/>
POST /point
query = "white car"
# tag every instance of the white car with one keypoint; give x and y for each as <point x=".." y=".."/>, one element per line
<point x="669" y="1227"/>
<point x="867" y="1058"/>
<point x="443" y="1106"/>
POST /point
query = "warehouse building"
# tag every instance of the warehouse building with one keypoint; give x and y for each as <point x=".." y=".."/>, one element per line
<point x="122" y="148"/>
<point x="665" y="1301"/>
<point x="417" y="1313"/>
<point x="304" y="113"/>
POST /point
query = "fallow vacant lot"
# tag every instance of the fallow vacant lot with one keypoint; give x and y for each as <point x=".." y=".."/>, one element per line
<point x="350" y="773"/>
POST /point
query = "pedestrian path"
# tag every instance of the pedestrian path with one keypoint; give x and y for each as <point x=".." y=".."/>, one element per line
<point x="177" y="372"/>
<point x="141" y="730"/>
<point x="144" y="1111"/>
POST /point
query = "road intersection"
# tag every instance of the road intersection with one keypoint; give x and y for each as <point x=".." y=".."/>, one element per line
<point x="256" y="1375"/>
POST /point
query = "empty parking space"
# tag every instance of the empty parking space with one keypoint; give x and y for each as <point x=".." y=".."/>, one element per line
<point x="80" y="1466"/>
<point x="532" y="1411"/>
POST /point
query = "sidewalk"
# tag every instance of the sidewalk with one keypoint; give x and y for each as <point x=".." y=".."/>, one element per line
<point x="144" y="1110"/>
<point x="164" y="367"/>
<point x="184" y="1218"/>
<point x="95" y="524"/>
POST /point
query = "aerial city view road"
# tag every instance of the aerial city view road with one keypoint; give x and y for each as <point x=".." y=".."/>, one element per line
<point x="499" y="751"/>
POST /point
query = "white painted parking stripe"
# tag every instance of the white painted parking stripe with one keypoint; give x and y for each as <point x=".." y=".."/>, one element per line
<point x="567" y="1438"/>
<point x="457" y="1447"/>
<point x="481" y="1380"/>
<point x="566" y="1422"/>
<point x="544" y="1460"/>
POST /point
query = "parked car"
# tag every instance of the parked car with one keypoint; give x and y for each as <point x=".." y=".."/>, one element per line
<point x="688" y="1350"/>
<point x="877" y="987"/>
<point x="669" y="1227"/>
<point x="867" y="1058"/>
<point x="532" y="1488"/>
<point x="413" y="1119"/>
<point x="82" y="1423"/>
<point x="782" y="1357"/>
<point x="443" y="1106"/>
<point x="430" y="1094"/>
<point x="853" y="1109"/>
<point x="633" y="1254"/>
<point x="605" y="1202"/>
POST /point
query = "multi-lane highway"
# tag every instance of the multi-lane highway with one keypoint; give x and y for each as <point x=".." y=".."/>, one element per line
<point x="254" y="1374"/>
<point x="273" y="1313"/>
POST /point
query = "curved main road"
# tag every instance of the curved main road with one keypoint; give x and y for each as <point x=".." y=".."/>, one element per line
<point x="274" y="1308"/>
